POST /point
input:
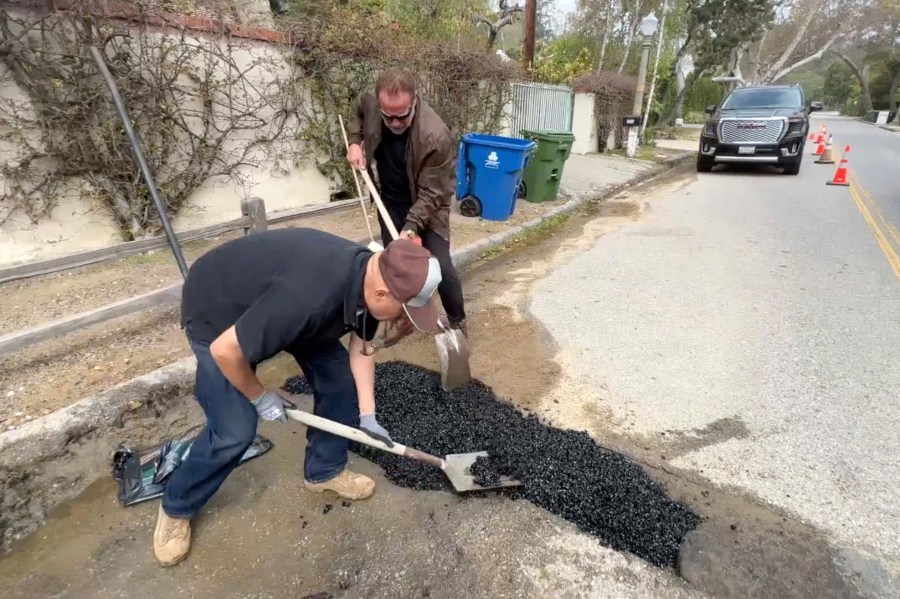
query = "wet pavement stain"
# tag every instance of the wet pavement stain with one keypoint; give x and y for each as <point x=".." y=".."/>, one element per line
<point x="678" y="443"/>
<point x="563" y="471"/>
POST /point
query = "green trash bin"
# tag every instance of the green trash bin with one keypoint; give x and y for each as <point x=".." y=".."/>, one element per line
<point x="544" y="171"/>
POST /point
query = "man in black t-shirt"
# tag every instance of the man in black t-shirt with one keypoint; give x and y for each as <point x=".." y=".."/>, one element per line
<point x="299" y="291"/>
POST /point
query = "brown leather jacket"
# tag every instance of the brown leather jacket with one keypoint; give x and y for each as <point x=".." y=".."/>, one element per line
<point x="430" y="160"/>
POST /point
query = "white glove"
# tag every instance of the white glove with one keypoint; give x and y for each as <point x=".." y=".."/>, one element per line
<point x="270" y="406"/>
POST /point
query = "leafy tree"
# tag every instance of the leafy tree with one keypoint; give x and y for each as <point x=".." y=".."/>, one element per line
<point x="316" y="8"/>
<point x="839" y="89"/>
<point x="721" y="27"/>
<point x="564" y="59"/>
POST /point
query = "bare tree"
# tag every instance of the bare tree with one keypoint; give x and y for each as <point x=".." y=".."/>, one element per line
<point x="803" y="31"/>
<point x="506" y="16"/>
<point x="631" y="33"/>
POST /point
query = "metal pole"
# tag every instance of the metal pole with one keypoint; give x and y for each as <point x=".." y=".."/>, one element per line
<point x="659" y="47"/>
<point x="642" y="76"/>
<point x="637" y="108"/>
<point x="142" y="162"/>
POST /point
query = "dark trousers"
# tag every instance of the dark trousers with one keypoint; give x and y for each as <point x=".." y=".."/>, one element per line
<point x="450" y="288"/>
<point x="231" y="425"/>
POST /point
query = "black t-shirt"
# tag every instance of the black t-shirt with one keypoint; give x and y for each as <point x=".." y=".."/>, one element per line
<point x="281" y="289"/>
<point x="390" y="159"/>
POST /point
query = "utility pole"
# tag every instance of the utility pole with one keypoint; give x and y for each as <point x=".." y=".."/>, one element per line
<point x="530" y="18"/>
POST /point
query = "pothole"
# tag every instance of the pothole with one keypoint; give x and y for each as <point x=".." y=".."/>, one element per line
<point x="563" y="471"/>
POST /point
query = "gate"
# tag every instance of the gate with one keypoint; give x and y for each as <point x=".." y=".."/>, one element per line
<point x="541" y="106"/>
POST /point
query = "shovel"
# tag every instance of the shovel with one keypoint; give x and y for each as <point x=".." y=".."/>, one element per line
<point x="452" y="345"/>
<point x="456" y="466"/>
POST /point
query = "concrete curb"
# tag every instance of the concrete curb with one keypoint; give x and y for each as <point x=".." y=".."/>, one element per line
<point x="53" y="459"/>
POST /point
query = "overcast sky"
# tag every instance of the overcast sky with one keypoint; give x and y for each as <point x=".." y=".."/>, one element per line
<point x="564" y="8"/>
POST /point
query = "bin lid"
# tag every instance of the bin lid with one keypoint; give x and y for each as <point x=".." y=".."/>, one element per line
<point x="548" y="134"/>
<point x="497" y="141"/>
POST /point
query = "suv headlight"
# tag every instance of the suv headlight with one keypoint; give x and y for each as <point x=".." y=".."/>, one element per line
<point x="795" y="126"/>
<point x="710" y="127"/>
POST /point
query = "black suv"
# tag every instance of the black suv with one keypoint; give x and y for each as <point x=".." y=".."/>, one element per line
<point x="765" y="125"/>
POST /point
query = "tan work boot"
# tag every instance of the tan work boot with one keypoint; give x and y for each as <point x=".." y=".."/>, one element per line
<point x="348" y="485"/>
<point x="171" y="539"/>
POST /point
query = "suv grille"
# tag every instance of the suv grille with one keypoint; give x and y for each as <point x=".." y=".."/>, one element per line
<point x="754" y="131"/>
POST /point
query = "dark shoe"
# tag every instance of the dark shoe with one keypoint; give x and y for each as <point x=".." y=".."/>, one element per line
<point x="461" y="325"/>
<point x="394" y="331"/>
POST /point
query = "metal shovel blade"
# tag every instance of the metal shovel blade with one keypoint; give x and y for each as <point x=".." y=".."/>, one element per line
<point x="453" y="352"/>
<point x="458" y="467"/>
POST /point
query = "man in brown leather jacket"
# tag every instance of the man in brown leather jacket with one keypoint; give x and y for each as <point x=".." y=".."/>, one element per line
<point x="415" y="168"/>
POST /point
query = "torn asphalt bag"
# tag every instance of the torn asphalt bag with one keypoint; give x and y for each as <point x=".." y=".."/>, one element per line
<point x="142" y="474"/>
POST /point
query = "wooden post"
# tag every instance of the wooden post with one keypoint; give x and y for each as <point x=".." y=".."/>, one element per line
<point x="530" y="18"/>
<point x="255" y="210"/>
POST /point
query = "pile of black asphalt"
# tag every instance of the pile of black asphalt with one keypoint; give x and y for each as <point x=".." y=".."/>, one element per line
<point x="563" y="471"/>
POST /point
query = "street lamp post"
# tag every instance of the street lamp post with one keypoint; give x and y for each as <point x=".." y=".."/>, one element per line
<point x="648" y="28"/>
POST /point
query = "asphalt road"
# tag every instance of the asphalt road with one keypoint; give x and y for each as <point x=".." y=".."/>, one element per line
<point x="747" y="329"/>
<point x="873" y="159"/>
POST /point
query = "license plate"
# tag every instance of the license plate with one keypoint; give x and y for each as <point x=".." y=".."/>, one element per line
<point x="746" y="150"/>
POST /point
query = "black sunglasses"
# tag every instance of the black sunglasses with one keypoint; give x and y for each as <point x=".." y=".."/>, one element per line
<point x="398" y="117"/>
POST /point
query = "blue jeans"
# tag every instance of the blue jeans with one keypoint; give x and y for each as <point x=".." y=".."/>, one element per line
<point x="231" y="425"/>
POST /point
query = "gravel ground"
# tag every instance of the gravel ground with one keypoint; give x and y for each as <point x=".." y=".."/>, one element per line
<point x="563" y="471"/>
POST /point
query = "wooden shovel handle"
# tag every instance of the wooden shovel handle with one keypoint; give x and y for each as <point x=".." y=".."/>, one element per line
<point x="424" y="457"/>
<point x="354" y="434"/>
<point x="384" y="213"/>
<point x="342" y="430"/>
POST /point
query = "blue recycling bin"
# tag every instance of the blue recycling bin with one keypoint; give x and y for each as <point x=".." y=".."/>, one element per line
<point x="488" y="173"/>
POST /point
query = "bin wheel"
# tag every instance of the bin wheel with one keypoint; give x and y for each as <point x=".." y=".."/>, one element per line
<point x="470" y="206"/>
<point x="522" y="191"/>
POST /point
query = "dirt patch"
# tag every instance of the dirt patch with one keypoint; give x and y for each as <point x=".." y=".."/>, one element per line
<point x="54" y="459"/>
<point x="46" y="377"/>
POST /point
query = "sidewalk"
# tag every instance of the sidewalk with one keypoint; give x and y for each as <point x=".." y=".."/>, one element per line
<point x="55" y="373"/>
<point x="686" y="145"/>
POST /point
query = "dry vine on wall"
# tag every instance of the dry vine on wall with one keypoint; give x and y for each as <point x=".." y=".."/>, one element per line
<point x="613" y="100"/>
<point x="198" y="112"/>
<point x="205" y="106"/>
<point x="338" y="59"/>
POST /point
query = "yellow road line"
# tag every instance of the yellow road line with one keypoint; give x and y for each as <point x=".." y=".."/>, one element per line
<point x="883" y="242"/>
<point x="873" y="204"/>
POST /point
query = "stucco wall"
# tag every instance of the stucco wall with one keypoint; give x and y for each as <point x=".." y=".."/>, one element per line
<point x="584" y="125"/>
<point x="79" y="222"/>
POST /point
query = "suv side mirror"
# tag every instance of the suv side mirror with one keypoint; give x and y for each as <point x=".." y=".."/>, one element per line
<point x="814" y="106"/>
<point x="710" y="109"/>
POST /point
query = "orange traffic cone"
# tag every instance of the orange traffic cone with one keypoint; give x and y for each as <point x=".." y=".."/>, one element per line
<point x="812" y="136"/>
<point x="840" y="175"/>
<point x="826" y="157"/>
<point x="820" y="149"/>
<point x="822" y="132"/>
<point x="820" y="142"/>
